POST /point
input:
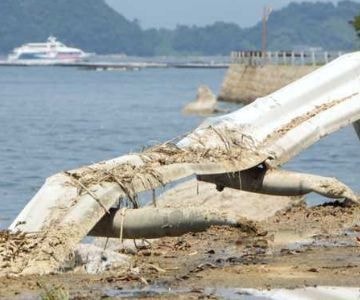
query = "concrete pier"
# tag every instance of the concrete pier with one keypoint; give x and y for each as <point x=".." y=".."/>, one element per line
<point x="254" y="74"/>
<point x="245" y="83"/>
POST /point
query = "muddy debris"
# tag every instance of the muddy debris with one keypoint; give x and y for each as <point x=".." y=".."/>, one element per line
<point x="226" y="256"/>
<point x="15" y="245"/>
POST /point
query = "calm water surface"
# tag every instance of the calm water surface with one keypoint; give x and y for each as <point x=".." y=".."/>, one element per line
<point x="53" y="119"/>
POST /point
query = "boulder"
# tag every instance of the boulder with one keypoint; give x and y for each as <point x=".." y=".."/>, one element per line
<point x="95" y="260"/>
<point x="204" y="104"/>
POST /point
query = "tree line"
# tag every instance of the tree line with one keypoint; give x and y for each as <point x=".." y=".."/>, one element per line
<point x="95" y="27"/>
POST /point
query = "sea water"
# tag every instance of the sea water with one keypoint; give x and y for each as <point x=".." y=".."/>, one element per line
<point x="54" y="119"/>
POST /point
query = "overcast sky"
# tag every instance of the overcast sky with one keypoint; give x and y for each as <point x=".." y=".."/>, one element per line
<point x="169" y="13"/>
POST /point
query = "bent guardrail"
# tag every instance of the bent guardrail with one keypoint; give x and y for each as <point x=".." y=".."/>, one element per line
<point x="249" y="144"/>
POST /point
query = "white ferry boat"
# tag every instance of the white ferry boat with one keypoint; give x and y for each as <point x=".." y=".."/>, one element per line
<point x="51" y="52"/>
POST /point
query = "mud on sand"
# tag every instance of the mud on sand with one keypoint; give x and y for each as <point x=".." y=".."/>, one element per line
<point x="297" y="247"/>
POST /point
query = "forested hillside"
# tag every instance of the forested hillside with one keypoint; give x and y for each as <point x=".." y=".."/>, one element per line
<point x="89" y="24"/>
<point x="95" y="27"/>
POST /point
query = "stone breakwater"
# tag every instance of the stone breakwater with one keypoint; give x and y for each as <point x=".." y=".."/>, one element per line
<point x="244" y="83"/>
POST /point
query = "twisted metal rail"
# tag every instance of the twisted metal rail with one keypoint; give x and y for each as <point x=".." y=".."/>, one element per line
<point x="241" y="150"/>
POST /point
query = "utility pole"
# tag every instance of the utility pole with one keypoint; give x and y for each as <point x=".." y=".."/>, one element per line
<point x="266" y="14"/>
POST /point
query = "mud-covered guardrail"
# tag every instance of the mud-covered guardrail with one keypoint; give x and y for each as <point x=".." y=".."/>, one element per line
<point x="262" y="135"/>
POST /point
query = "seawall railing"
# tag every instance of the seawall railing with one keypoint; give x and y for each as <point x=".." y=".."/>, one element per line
<point x="255" y="58"/>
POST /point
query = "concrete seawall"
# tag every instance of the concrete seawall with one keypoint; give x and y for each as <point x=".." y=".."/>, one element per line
<point x="244" y="83"/>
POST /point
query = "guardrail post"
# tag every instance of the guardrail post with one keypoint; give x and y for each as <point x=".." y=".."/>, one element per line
<point x="292" y="58"/>
<point x="357" y="128"/>
<point x="302" y="58"/>
<point x="276" y="57"/>
<point x="313" y="58"/>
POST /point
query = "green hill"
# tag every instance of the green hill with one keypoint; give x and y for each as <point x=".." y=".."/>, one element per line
<point x="316" y="24"/>
<point x="299" y="24"/>
<point x="89" y="24"/>
<point x="95" y="27"/>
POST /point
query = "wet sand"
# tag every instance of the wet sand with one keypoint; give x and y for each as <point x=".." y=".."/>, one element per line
<point x="296" y="247"/>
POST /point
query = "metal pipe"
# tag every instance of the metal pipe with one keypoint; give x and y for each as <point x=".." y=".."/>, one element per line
<point x="281" y="182"/>
<point x="152" y="222"/>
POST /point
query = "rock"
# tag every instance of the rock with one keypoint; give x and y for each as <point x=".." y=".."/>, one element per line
<point x="205" y="102"/>
<point x="127" y="246"/>
<point x="96" y="260"/>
